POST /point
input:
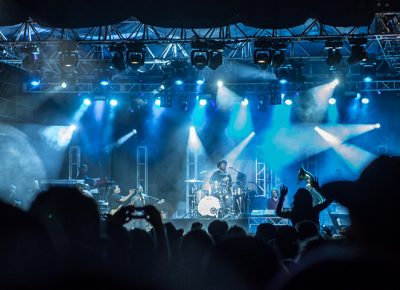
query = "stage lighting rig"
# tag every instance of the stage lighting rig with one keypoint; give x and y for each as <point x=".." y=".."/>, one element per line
<point x="262" y="58"/>
<point x="69" y="56"/>
<point x="358" y="52"/>
<point x="135" y="55"/>
<point x="118" y="60"/>
<point x="199" y="58"/>
<point x="368" y="71"/>
<point x="214" y="59"/>
<point x="334" y="55"/>
<point x="31" y="59"/>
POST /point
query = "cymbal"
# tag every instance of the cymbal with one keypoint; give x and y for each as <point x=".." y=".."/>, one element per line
<point x="193" y="181"/>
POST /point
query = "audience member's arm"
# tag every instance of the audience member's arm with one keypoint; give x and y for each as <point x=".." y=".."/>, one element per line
<point x="279" y="212"/>
<point x="154" y="218"/>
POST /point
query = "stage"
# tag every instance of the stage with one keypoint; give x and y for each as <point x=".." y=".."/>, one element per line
<point x="249" y="224"/>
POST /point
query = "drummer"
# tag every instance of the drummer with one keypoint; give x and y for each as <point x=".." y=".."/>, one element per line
<point x="221" y="180"/>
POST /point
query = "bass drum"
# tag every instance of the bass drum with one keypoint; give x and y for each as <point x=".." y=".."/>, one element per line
<point x="209" y="206"/>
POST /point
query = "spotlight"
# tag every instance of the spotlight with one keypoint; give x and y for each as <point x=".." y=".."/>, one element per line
<point x="358" y="53"/>
<point x="365" y="101"/>
<point x="72" y="127"/>
<point x="157" y="102"/>
<point x="35" y="83"/>
<point x="332" y="101"/>
<point x="358" y="96"/>
<point x="35" y="78"/>
<point x="113" y="102"/>
<point x="199" y="59"/>
<point x="215" y="59"/>
<point x="69" y="56"/>
<point x="135" y="55"/>
<point x="334" y="83"/>
<point x="203" y="102"/>
<point x="283" y="81"/>
<point x="118" y="59"/>
<point x="245" y="102"/>
<point x="334" y="57"/>
<point x="262" y="58"/>
<point x="220" y="84"/>
<point x="377" y="125"/>
<point x="288" y="102"/>
<point x="179" y="82"/>
<point x="162" y="87"/>
<point x="316" y="128"/>
<point x="64" y="85"/>
<point x="87" y="102"/>
<point x="278" y="59"/>
<point x="200" y="82"/>
<point x="368" y="72"/>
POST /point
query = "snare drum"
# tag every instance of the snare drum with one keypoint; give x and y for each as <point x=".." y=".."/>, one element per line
<point x="209" y="206"/>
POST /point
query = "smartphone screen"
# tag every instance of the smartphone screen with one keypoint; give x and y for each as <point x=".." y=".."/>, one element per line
<point x="138" y="213"/>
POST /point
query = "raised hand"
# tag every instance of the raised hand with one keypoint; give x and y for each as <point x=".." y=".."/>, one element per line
<point x="283" y="190"/>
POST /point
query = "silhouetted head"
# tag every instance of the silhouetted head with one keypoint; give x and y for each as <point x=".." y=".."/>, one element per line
<point x="373" y="202"/>
<point x="235" y="232"/>
<point x="287" y="241"/>
<point x="302" y="199"/>
<point x="266" y="232"/>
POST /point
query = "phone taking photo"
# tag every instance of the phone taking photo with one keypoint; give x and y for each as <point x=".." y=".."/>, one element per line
<point x="138" y="213"/>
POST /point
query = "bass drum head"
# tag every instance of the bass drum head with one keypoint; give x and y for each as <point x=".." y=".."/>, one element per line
<point x="209" y="206"/>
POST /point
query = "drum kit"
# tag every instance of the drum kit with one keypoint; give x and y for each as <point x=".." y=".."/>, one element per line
<point x="222" y="200"/>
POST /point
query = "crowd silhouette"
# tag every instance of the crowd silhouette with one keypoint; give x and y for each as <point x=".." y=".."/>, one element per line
<point x="61" y="242"/>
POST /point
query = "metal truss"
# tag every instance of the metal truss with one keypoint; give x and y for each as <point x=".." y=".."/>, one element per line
<point x="151" y="88"/>
<point x="165" y="44"/>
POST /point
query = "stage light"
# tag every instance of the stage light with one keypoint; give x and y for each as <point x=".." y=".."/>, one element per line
<point x="162" y="87"/>
<point x="278" y="59"/>
<point x="215" y="59"/>
<point x="282" y="96"/>
<point x="283" y="81"/>
<point x="332" y="101"/>
<point x="220" y="84"/>
<point x="365" y="101"/>
<point x="104" y="83"/>
<point x="335" y="82"/>
<point x="368" y="71"/>
<point x="35" y="83"/>
<point x="358" y="53"/>
<point x="288" y="102"/>
<point x="69" y="56"/>
<point x="118" y="60"/>
<point x="199" y="59"/>
<point x="104" y="77"/>
<point x="113" y="102"/>
<point x="200" y="82"/>
<point x="64" y="85"/>
<point x="73" y="127"/>
<point x="179" y="82"/>
<point x="262" y="58"/>
<point x="358" y="96"/>
<point x="316" y="128"/>
<point x="135" y="55"/>
<point x="157" y="102"/>
<point x="87" y="102"/>
<point x="203" y="102"/>
<point x="245" y="102"/>
<point x="377" y="125"/>
<point x="334" y="57"/>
